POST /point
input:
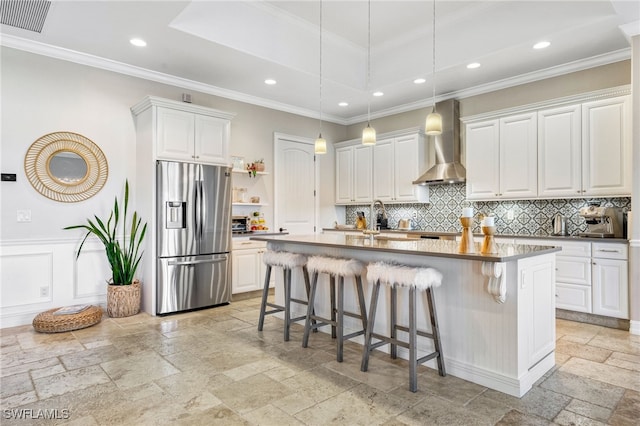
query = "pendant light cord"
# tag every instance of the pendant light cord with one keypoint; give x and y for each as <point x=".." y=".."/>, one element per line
<point x="369" y="66"/>
<point x="320" y="68"/>
<point x="434" y="56"/>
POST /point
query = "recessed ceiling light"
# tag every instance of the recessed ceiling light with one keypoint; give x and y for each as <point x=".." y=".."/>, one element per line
<point x="270" y="81"/>
<point x="378" y="93"/>
<point x="541" y="45"/>
<point x="138" y="42"/>
<point x="343" y="104"/>
<point x="473" y="65"/>
<point x="419" y="80"/>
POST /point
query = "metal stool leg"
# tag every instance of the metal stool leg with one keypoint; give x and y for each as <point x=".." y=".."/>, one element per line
<point x="340" y="318"/>
<point x="393" y="322"/>
<point x="363" y="307"/>
<point x="435" y="331"/>
<point x="370" y="324"/>
<point x="307" y="286"/>
<point x="287" y="302"/>
<point x="265" y="295"/>
<point x="332" y="296"/>
<point x="413" y="342"/>
<point x="312" y="298"/>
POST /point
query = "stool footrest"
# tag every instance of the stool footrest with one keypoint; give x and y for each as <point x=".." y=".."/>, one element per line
<point x="420" y="333"/>
<point x="354" y="334"/>
<point x="386" y="340"/>
<point x="300" y="301"/>
<point x="427" y="357"/>
<point x="273" y="305"/>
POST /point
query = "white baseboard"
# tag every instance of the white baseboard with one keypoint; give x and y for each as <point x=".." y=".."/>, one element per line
<point x="634" y="327"/>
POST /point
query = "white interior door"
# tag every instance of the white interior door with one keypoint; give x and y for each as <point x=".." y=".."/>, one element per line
<point x="295" y="184"/>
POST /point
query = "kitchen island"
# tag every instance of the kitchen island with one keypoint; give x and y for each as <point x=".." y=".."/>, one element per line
<point x="496" y="311"/>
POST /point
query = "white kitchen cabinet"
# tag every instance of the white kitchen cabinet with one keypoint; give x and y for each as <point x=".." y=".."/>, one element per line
<point x="606" y="146"/>
<point x="187" y="136"/>
<point x="397" y="162"/>
<point x="248" y="269"/>
<point x="353" y="174"/>
<point x="559" y="152"/>
<point x="502" y="158"/>
<point x="610" y="280"/>
<point x="590" y="277"/>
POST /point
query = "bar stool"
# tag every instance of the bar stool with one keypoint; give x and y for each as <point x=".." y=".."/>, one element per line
<point x="339" y="268"/>
<point x="287" y="261"/>
<point x="415" y="279"/>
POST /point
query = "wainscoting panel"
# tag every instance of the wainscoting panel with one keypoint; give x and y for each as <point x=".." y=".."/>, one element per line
<point x="26" y="278"/>
<point x="92" y="272"/>
<point x="40" y="275"/>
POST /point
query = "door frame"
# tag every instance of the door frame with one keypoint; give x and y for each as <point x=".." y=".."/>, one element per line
<point x="277" y="138"/>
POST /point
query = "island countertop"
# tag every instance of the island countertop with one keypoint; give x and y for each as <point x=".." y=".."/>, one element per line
<point x="414" y="246"/>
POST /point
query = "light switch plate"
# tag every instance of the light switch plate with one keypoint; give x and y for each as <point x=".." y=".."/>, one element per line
<point x="24" y="216"/>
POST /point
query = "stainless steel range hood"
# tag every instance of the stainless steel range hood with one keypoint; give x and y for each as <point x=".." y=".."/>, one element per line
<point x="448" y="168"/>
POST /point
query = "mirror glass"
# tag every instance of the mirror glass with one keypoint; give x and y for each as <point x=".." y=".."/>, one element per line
<point x="67" y="167"/>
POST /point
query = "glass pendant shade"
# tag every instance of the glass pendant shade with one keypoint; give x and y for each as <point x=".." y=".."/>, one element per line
<point x="369" y="135"/>
<point x="434" y="124"/>
<point x="320" y="146"/>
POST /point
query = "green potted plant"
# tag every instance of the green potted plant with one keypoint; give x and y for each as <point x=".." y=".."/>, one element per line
<point x="123" y="291"/>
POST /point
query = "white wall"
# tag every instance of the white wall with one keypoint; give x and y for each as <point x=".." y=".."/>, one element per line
<point x="41" y="95"/>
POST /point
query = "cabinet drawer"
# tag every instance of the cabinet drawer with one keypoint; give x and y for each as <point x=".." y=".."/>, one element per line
<point x="573" y="297"/>
<point x="569" y="248"/>
<point x="242" y="244"/>
<point x="610" y="251"/>
<point x="573" y="270"/>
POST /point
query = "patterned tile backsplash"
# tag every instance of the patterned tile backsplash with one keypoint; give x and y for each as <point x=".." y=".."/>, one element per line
<point x="530" y="217"/>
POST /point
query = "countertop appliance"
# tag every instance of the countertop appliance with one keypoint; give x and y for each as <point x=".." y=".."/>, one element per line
<point x="602" y="222"/>
<point x="194" y="236"/>
<point x="559" y="224"/>
<point x="240" y="225"/>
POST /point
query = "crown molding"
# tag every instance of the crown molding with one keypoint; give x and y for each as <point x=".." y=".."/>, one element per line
<point x="138" y="72"/>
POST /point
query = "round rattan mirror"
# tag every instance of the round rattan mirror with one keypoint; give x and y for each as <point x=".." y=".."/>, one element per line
<point x="66" y="167"/>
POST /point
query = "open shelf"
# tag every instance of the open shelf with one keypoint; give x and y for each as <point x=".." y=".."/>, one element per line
<point x="246" y="172"/>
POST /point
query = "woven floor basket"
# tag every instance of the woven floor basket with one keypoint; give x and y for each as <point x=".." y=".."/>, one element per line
<point x="46" y="322"/>
<point x="123" y="300"/>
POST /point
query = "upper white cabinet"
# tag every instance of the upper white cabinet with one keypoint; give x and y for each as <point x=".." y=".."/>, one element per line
<point x="574" y="149"/>
<point x="397" y="162"/>
<point x="353" y="174"/>
<point x="606" y="146"/>
<point x="502" y="158"/>
<point x="384" y="171"/>
<point x="559" y="152"/>
<point x="186" y="132"/>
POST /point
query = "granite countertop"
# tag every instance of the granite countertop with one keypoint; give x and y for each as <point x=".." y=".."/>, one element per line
<point x="418" y="233"/>
<point x="415" y="246"/>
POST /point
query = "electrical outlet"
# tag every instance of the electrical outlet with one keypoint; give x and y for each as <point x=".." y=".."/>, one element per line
<point x="509" y="214"/>
<point x="44" y="291"/>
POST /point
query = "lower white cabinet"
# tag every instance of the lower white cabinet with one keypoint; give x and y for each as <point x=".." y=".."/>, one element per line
<point x="590" y="277"/>
<point x="248" y="269"/>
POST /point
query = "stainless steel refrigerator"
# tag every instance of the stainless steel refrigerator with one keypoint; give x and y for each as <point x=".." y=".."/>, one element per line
<point x="194" y="236"/>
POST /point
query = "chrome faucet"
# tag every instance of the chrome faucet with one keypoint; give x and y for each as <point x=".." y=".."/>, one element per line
<point x="371" y="210"/>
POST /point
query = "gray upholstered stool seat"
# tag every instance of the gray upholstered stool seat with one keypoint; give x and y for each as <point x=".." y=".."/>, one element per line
<point x="288" y="262"/>
<point x="339" y="268"/>
<point x="421" y="279"/>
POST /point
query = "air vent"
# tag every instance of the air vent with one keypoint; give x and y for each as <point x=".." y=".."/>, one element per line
<point x="26" y="14"/>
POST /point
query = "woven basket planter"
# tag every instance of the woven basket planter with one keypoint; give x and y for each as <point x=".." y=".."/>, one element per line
<point x="123" y="300"/>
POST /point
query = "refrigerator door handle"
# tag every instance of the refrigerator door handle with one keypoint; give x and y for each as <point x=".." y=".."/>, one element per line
<point x="198" y="262"/>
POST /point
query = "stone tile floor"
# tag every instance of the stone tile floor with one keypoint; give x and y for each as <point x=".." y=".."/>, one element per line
<point x="212" y="367"/>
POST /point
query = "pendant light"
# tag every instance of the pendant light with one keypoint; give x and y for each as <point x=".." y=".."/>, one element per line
<point x="369" y="133"/>
<point x="320" y="146"/>
<point x="434" y="120"/>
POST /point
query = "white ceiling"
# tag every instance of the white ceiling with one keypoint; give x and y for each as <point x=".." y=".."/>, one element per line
<point x="229" y="48"/>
